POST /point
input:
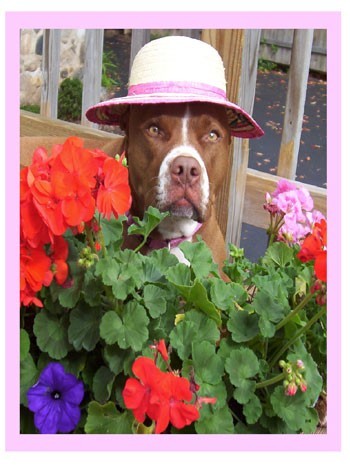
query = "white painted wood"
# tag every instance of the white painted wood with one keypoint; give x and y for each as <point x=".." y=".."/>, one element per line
<point x="92" y="71"/>
<point x="50" y="72"/>
<point x="295" y="103"/>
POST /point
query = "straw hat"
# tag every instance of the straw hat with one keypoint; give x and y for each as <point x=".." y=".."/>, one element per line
<point x="176" y="69"/>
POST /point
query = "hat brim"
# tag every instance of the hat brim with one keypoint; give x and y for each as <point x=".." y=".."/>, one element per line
<point x="109" y="112"/>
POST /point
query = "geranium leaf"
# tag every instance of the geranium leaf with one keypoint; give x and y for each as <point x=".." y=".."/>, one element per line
<point x="196" y="295"/>
<point x="109" y="269"/>
<point x="252" y="410"/>
<point x="152" y="218"/>
<point x="208" y="366"/>
<point x="200" y="257"/>
<point x="102" y="384"/>
<point x="28" y="376"/>
<point x="243" y="325"/>
<point x="105" y="419"/>
<point x="154" y="300"/>
<point x="69" y="297"/>
<point x="83" y="331"/>
<point x="270" y="312"/>
<point x="179" y="275"/>
<point x="112" y="231"/>
<point x="24" y="344"/>
<point x="245" y="391"/>
<point x="110" y="327"/>
<point x="129" y="330"/>
<point x="52" y="334"/>
<point x="92" y="289"/>
<point x="220" y="422"/>
<point x="279" y="253"/>
<point x="241" y="365"/>
<point x="195" y="327"/>
<point x="291" y="409"/>
<point x="116" y="357"/>
<point x="224" y="295"/>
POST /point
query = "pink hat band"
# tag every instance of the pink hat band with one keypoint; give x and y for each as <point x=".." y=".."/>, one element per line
<point x="175" y="87"/>
<point x="173" y="70"/>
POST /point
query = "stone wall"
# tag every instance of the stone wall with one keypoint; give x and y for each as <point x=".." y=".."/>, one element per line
<point x="72" y="61"/>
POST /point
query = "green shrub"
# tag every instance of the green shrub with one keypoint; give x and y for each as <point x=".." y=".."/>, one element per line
<point x="70" y="100"/>
<point x="31" y="108"/>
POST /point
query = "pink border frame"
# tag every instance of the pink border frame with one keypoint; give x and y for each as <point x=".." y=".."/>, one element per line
<point x="215" y="20"/>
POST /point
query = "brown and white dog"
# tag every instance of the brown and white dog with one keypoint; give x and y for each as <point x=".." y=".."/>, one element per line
<point x="178" y="124"/>
<point x="178" y="157"/>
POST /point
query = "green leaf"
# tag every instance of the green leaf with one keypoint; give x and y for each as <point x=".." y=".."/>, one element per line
<point x="224" y="295"/>
<point x="279" y="253"/>
<point x="152" y="218"/>
<point x="197" y="296"/>
<point x="112" y="231"/>
<point x="52" y="334"/>
<point x="252" y="410"/>
<point x="109" y="269"/>
<point x="243" y="325"/>
<point x="102" y="384"/>
<point x="195" y="327"/>
<point x="291" y="409"/>
<point x="92" y="289"/>
<point x="28" y="377"/>
<point x="83" y="331"/>
<point x="179" y="275"/>
<point x="69" y="297"/>
<point x="116" y="358"/>
<point x="208" y="366"/>
<point x="154" y="300"/>
<point x="270" y="311"/>
<point x="163" y="260"/>
<point x="24" y="344"/>
<point x="241" y="365"/>
<point x="245" y="391"/>
<point x="311" y="374"/>
<point x="105" y="419"/>
<point x="220" y="422"/>
<point x="128" y="331"/>
<point x="200" y="258"/>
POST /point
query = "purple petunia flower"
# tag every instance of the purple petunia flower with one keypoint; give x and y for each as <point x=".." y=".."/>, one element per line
<point x="55" y="400"/>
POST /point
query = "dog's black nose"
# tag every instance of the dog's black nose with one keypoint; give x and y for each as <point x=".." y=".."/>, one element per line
<point x="185" y="170"/>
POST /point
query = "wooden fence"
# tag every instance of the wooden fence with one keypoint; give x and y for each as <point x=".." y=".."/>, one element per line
<point x="243" y="192"/>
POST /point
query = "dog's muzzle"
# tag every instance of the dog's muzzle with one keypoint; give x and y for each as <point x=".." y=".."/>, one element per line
<point x="183" y="184"/>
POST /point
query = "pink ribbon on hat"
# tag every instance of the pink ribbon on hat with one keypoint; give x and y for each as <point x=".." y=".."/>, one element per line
<point x="176" y="87"/>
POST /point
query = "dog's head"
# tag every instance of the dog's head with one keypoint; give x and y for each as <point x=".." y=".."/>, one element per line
<point x="178" y="158"/>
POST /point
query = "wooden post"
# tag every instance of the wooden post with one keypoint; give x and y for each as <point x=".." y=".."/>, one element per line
<point x="92" y="71"/>
<point x="139" y="37"/>
<point x="296" y="94"/>
<point x="50" y="72"/>
<point x="239" y="51"/>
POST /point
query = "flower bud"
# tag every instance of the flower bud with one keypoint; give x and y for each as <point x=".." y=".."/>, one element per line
<point x="300" y="365"/>
<point x="291" y="389"/>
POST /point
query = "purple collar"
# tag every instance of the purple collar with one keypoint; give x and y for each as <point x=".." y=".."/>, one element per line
<point x="157" y="244"/>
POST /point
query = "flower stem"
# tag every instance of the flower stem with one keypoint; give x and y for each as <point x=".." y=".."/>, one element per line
<point x="294" y="312"/>
<point x="268" y="382"/>
<point x="302" y="331"/>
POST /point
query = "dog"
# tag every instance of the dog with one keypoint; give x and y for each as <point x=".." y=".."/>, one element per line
<point x="178" y="125"/>
<point x="178" y="158"/>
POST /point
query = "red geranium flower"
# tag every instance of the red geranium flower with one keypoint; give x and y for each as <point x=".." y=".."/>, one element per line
<point x="114" y="196"/>
<point x="161" y="396"/>
<point x="314" y="247"/>
<point x="137" y="392"/>
<point x="168" y="406"/>
<point x="73" y="177"/>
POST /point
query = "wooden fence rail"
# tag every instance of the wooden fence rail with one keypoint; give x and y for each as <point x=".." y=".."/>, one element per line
<point x="242" y="195"/>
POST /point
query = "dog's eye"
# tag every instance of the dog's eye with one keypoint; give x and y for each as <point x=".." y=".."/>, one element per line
<point x="154" y="130"/>
<point x="213" y="136"/>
